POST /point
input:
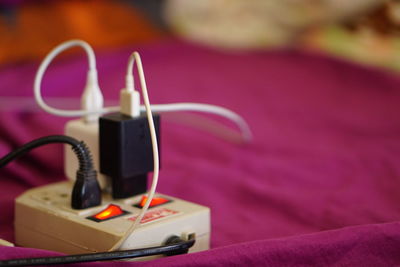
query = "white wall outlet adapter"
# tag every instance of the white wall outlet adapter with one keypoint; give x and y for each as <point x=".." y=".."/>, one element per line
<point x="89" y="133"/>
<point x="44" y="219"/>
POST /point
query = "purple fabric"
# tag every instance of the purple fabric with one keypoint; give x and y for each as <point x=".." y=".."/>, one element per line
<point x="318" y="186"/>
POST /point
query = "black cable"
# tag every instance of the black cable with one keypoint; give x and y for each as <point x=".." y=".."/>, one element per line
<point x="168" y="249"/>
<point x="86" y="192"/>
<point x="80" y="149"/>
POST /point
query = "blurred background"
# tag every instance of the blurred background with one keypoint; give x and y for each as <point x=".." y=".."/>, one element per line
<point x="317" y="81"/>
<point x="360" y="30"/>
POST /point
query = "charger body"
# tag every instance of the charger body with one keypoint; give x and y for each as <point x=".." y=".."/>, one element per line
<point x="125" y="150"/>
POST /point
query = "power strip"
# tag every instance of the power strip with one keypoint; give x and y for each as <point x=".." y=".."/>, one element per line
<point x="43" y="216"/>
<point x="44" y="219"/>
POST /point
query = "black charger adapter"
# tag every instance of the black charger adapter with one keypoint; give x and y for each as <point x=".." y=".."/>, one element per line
<point x="126" y="153"/>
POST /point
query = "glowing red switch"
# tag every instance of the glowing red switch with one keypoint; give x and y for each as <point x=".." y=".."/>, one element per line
<point x="110" y="212"/>
<point x="154" y="202"/>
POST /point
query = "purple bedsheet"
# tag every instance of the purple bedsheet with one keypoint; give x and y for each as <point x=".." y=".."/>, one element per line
<point x="320" y="184"/>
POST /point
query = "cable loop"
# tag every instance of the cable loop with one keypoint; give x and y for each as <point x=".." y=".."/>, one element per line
<point x="160" y="108"/>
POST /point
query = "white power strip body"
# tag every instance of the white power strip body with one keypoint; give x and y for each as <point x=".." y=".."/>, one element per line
<point x="44" y="219"/>
<point x="88" y="133"/>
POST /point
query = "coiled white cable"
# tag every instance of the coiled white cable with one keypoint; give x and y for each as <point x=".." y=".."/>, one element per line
<point x="94" y="100"/>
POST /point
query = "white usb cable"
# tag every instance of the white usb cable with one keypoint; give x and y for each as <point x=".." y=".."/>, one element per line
<point x="92" y="99"/>
<point x="129" y="102"/>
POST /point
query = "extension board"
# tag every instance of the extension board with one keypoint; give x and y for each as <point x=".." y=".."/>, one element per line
<point x="44" y="219"/>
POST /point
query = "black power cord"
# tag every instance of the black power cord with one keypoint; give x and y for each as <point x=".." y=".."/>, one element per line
<point x="170" y="248"/>
<point x="86" y="192"/>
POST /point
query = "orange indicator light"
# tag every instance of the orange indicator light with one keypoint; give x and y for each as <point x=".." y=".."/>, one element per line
<point x="154" y="202"/>
<point x="110" y="212"/>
